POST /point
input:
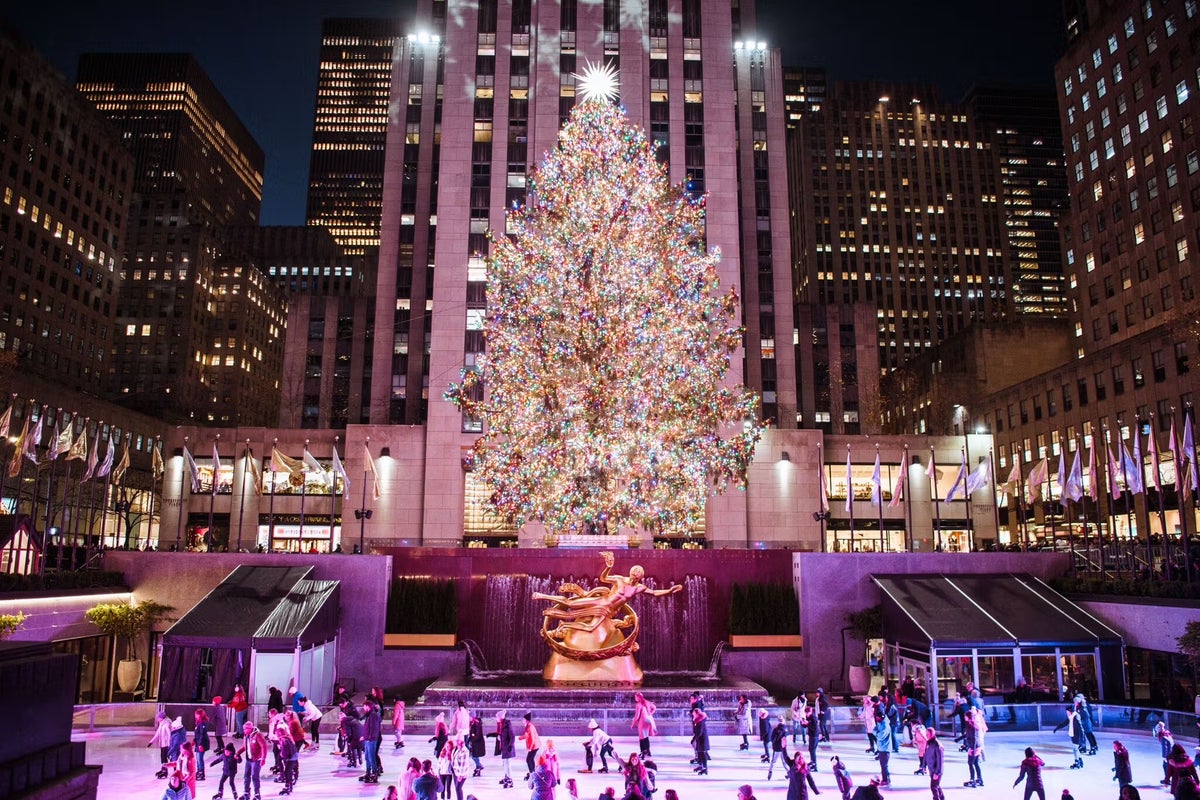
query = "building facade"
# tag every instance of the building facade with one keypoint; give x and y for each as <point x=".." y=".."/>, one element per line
<point x="66" y="185"/>
<point x="326" y="376"/>
<point x="1028" y="144"/>
<point x="199" y="329"/>
<point x="897" y="203"/>
<point x="345" y="172"/>
<point x="490" y="86"/>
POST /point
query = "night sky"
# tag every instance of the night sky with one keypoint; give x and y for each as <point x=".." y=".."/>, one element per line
<point x="263" y="55"/>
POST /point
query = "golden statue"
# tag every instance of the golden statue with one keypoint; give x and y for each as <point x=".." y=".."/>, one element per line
<point x="596" y="632"/>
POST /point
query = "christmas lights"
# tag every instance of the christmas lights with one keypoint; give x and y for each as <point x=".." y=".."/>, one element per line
<point x="608" y="339"/>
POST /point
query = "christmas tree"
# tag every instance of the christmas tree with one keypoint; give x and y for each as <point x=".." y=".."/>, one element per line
<point x="608" y="342"/>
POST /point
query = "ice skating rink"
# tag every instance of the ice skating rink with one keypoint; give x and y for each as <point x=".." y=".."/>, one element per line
<point x="129" y="768"/>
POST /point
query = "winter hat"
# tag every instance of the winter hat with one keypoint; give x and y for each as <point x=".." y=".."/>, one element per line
<point x="592" y="724"/>
<point x="762" y="712"/>
<point x="441" y="717"/>
<point x="177" y="723"/>
<point x="528" y="716"/>
<point x="501" y="714"/>
<point x="217" y="700"/>
<point x="746" y="790"/>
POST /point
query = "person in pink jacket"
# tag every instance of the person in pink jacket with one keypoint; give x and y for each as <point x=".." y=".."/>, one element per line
<point x="643" y="722"/>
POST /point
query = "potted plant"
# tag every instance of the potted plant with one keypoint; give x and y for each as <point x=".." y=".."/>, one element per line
<point x="9" y="624"/>
<point x="864" y="626"/>
<point x="128" y="622"/>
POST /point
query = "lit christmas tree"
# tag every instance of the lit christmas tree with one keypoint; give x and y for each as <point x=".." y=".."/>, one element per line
<point x="608" y="342"/>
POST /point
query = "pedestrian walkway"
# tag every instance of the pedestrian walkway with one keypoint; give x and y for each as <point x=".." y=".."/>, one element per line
<point x="129" y="768"/>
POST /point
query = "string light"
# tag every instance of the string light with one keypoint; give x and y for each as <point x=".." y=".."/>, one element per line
<point x="609" y="340"/>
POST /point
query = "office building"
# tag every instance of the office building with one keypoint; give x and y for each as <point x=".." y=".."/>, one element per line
<point x="897" y="203"/>
<point x="326" y="375"/>
<point x="66" y="184"/>
<point x="1027" y="142"/>
<point x="345" y="173"/>
<point x="199" y="330"/>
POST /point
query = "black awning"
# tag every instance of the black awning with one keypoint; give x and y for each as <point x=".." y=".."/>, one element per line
<point x="308" y="616"/>
<point x="944" y="611"/>
<point x="231" y="614"/>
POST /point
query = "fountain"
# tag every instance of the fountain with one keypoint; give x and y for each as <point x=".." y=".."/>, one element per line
<point x="506" y="654"/>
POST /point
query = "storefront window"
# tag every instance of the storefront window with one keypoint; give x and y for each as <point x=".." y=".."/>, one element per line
<point x="1079" y="674"/>
<point x="997" y="674"/>
<point x="1041" y="675"/>
<point x="94" y="654"/>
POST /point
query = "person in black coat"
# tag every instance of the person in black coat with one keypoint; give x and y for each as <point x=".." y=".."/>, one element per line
<point x="934" y="763"/>
<point x="700" y="739"/>
<point x="764" y="734"/>
<point x="506" y="745"/>
<point x="275" y="699"/>
<point x="810" y="724"/>
<point x="1122" y="771"/>
<point x="476" y="744"/>
<point x="799" y="776"/>
<point x="778" y="746"/>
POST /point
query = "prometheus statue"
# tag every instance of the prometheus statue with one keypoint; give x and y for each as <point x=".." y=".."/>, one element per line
<point x="595" y="632"/>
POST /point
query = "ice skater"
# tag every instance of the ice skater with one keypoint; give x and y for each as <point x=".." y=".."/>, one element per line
<point x="506" y="745"/>
<point x="700" y="740"/>
<point x="1031" y="773"/>
<point x="800" y="778"/>
<point x="599" y="745"/>
<point x="228" y="759"/>
<point x="398" y="723"/>
<point x="643" y="722"/>
<point x="841" y="775"/>
<point x="743" y="719"/>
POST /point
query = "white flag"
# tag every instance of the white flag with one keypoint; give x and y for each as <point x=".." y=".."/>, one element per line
<point x="981" y="477"/>
<point x="193" y="469"/>
<point x="340" y="471"/>
<point x="1073" y="490"/>
<point x="216" y="470"/>
<point x="960" y="480"/>
<point x="1037" y="476"/>
<point x="849" y="483"/>
<point x="876" y="484"/>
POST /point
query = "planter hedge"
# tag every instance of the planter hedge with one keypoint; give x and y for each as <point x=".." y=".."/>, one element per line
<point x="763" y="609"/>
<point x="62" y="581"/>
<point x="422" y="605"/>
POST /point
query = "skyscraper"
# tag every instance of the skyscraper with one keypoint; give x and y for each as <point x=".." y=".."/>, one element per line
<point x="898" y="205"/>
<point x="199" y="329"/>
<point x="345" y="173"/>
<point x="488" y="86"/>
<point x="1027" y="141"/>
<point x="66" y="187"/>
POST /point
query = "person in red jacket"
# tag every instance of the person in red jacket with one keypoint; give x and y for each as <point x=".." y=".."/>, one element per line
<point x="240" y="710"/>
<point x="255" y="748"/>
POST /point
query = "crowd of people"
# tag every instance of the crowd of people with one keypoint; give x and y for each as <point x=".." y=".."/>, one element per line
<point x="459" y="742"/>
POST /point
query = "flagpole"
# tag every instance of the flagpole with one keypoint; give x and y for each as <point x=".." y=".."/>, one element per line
<point x="212" y="493"/>
<point x="12" y="402"/>
<point x="75" y="513"/>
<point x="1022" y="528"/>
<point x="332" y="494"/>
<point x="995" y="499"/>
<point x="1162" y="512"/>
<point x="242" y="498"/>
<point x="965" y="471"/>
<point x="821" y="474"/>
<point x="50" y="494"/>
<point x="66" y="503"/>
<point x="303" y="495"/>
<point x="1181" y="501"/>
<point x="850" y="496"/>
<point x="1067" y="510"/>
<point x="184" y="469"/>
<point x="362" y="515"/>
<point x="1109" y="511"/>
<point x="153" y="480"/>
<point x="107" y="490"/>
<point x="908" y="532"/>
<point x="1087" y="544"/>
<point x="937" y="508"/>
<point x="271" y="511"/>
<point x="1127" y="496"/>
<point x="879" y="493"/>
